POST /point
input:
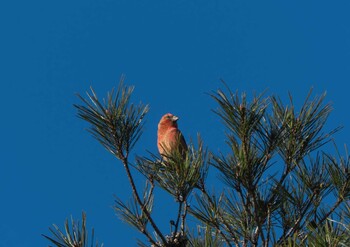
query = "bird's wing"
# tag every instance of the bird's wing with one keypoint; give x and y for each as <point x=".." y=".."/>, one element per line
<point x="177" y="138"/>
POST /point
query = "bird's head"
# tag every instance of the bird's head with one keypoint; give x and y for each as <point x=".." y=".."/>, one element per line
<point x="168" y="120"/>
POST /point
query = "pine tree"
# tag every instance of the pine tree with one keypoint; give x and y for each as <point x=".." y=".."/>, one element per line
<point x="282" y="188"/>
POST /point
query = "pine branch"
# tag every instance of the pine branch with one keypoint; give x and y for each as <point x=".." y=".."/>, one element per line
<point x="206" y="213"/>
<point x="131" y="215"/>
<point x="72" y="236"/>
<point x="117" y="125"/>
<point x="209" y="238"/>
<point x="177" y="219"/>
<point x="142" y="205"/>
<point x="331" y="211"/>
<point x="183" y="218"/>
<point x="224" y="222"/>
<point x="177" y="175"/>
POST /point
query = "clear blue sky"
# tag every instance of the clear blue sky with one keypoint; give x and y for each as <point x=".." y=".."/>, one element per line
<point x="174" y="52"/>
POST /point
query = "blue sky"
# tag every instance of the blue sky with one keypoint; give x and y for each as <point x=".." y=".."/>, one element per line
<point x="174" y="52"/>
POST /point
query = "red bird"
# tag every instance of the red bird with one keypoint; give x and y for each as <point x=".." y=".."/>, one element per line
<point x="170" y="138"/>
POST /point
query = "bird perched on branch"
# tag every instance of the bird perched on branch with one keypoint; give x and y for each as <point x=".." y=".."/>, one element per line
<point x="170" y="138"/>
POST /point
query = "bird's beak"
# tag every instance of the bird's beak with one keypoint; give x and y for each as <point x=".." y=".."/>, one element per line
<point x="175" y="118"/>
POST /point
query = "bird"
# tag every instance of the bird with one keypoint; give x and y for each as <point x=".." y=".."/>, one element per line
<point x="170" y="139"/>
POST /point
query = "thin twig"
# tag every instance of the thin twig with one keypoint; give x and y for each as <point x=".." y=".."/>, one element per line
<point x="177" y="219"/>
<point x="150" y="193"/>
<point x="183" y="218"/>
<point x="257" y="219"/>
<point x="335" y="206"/>
<point x="142" y="205"/>
<point x="268" y="226"/>
<point x="146" y="233"/>
<point x="280" y="182"/>
<point x="223" y="221"/>
<point x="297" y="222"/>
<point x="245" y="203"/>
